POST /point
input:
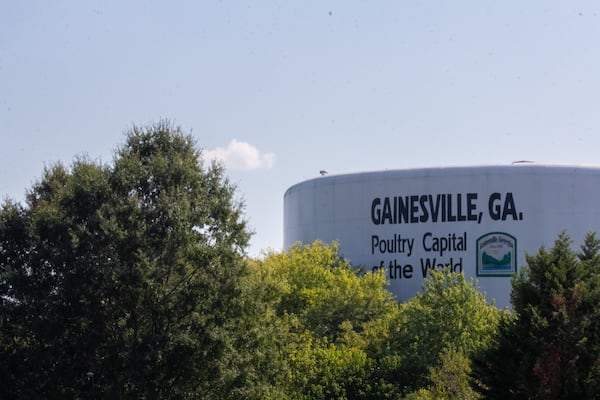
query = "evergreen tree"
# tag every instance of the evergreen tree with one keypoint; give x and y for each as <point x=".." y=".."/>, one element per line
<point x="549" y="350"/>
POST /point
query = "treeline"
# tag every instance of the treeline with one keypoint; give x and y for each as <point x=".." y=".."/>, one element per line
<point x="130" y="280"/>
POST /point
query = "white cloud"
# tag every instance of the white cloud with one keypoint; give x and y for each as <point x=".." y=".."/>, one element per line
<point x="240" y="156"/>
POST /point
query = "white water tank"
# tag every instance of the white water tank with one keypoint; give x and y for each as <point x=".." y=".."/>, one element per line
<point x="480" y="220"/>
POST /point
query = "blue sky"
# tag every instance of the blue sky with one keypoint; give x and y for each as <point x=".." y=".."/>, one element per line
<point x="280" y="89"/>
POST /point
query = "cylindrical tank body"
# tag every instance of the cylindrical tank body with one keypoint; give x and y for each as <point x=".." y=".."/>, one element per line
<point x="480" y="220"/>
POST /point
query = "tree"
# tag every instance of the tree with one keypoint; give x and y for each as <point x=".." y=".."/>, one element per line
<point x="550" y="349"/>
<point x="333" y="323"/>
<point x="124" y="280"/>
<point x="448" y="321"/>
<point x="448" y="380"/>
<point x="324" y="291"/>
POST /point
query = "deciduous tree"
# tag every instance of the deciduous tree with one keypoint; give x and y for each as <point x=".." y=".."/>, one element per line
<point x="338" y="321"/>
<point x="122" y="280"/>
<point x="449" y="316"/>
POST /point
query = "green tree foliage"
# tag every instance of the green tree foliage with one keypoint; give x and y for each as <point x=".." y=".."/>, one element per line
<point x="448" y="317"/>
<point x="550" y="349"/>
<point x="124" y="280"/>
<point x="449" y="380"/>
<point x="347" y="338"/>
<point x="337" y="320"/>
<point x="323" y="290"/>
<point x="324" y="370"/>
